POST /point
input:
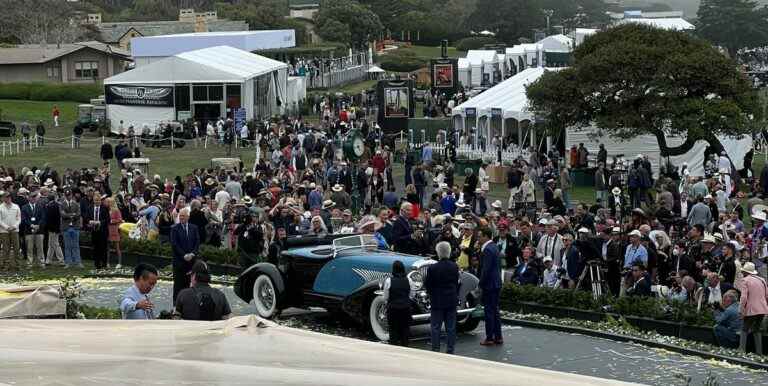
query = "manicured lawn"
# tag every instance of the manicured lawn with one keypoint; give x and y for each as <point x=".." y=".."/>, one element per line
<point x="33" y="111"/>
<point x="354" y="88"/>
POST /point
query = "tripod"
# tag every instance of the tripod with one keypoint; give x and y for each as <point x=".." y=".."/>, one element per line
<point x="595" y="278"/>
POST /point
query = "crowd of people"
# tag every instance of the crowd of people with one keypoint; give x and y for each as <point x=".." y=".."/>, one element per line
<point x="685" y="239"/>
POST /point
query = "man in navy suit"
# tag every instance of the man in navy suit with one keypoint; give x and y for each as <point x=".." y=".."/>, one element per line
<point x="402" y="232"/>
<point x="186" y="245"/>
<point x="442" y="284"/>
<point x="490" y="284"/>
<point x="33" y="228"/>
<point x="96" y="217"/>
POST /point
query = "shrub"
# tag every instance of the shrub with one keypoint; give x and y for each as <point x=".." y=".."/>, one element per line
<point x="155" y="248"/>
<point x="644" y="307"/>
<point x="474" y="43"/>
<point x="90" y="312"/>
<point x="51" y="92"/>
<point x="402" y="61"/>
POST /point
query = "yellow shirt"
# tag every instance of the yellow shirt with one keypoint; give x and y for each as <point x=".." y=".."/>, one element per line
<point x="464" y="258"/>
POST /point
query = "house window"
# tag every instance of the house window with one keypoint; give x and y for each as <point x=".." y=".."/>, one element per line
<point x="53" y="72"/>
<point x="87" y="70"/>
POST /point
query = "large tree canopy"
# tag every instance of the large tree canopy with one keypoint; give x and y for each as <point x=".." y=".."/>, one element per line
<point x="733" y="24"/>
<point x="362" y="25"/>
<point x="633" y="80"/>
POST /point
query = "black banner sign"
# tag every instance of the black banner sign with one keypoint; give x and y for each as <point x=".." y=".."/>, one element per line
<point x="139" y="95"/>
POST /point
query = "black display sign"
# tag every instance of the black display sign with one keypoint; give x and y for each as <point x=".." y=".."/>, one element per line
<point x="139" y="95"/>
<point x="445" y="75"/>
<point x="396" y="105"/>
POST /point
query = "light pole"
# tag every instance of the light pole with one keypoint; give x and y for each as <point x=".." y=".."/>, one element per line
<point x="548" y="13"/>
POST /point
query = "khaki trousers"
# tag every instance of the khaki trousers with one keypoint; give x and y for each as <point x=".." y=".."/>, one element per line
<point x="9" y="249"/>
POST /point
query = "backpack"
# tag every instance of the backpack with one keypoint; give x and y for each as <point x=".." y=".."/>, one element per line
<point x="206" y="306"/>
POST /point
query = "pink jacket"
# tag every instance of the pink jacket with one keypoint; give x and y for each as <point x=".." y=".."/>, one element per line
<point x="754" y="296"/>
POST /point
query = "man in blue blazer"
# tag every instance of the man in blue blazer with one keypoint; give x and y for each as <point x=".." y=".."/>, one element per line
<point x="402" y="232"/>
<point x="490" y="284"/>
<point x="442" y="284"/>
<point x="186" y="246"/>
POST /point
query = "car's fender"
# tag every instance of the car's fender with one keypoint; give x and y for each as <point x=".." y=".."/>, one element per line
<point x="355" y="303"/>
<point x="469" y="283"/>
<point x="244" y="284"/>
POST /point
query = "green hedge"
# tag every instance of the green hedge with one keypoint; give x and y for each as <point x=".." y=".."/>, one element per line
<point x="155" y="248"/>
<point x="50" y="92"/>
<point x="644" y="307"/>
<point x="402" y="61"/>
<point x="474" y="43"/>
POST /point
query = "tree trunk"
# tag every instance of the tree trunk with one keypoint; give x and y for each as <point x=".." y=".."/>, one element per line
<point x="667" y="151"/>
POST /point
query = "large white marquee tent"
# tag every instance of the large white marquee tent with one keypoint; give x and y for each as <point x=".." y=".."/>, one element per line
<point x="206" y="84"/>
<point x="503" y="110"/>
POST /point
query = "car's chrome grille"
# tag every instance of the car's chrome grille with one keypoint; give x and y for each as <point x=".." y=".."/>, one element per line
<point x="367" y="275"/>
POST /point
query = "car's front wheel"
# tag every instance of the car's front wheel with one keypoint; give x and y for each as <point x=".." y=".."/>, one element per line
<point x="469" y="323"/>
<point x="265" y="296"/>
<point x="377" y="318"/>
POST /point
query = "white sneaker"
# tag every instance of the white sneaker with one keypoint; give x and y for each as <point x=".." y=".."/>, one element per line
<point x="118" y="266"/>
<point x="65" y="266"/>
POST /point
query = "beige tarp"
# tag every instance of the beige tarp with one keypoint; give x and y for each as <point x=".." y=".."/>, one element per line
<point x="21" y="302"/>
<point x="241" y="351"/>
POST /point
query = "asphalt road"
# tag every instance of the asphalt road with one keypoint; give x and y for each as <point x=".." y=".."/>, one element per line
<point x="543" y="349"/>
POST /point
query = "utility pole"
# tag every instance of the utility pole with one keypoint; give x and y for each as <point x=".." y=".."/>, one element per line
<point x="548" y="13"/>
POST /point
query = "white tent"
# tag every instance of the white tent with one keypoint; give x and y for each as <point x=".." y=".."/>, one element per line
<point x="514" y="55"/>
<point x="149" y="49"/>
<point x="465" y="72"/>
<point x="481" y="62"/>
<point x="506" y="104"/>
<point x="669" y="23"/>
<point x="579" y="34"/>
<point x="648" y="145"/>
<point x="212" y="67"/>
<point x="556" y="43"/>
<point x="509" y="96"/>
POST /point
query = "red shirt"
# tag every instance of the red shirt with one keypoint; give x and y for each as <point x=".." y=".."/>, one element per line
<point x="56" y="112"/>
<point x="378" y="163"/>
<point x="344" y="116"/>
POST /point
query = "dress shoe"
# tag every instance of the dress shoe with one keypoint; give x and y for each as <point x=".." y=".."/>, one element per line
<point x="487" y="342"/>
<point x="498" y="342"/>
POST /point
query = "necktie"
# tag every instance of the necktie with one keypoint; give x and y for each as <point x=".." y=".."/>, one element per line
<point x="96" y="214"/>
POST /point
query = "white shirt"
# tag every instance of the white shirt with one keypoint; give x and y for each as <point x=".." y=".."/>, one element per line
<point x="551" y="246"/>
<point x="222" y="198"/>
<point x="10" y="217"/>
<point x="715" y="295"/>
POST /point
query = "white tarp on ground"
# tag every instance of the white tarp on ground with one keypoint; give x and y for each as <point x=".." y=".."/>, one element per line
<point x="647" y="145"/>
<point x="31" y="301"/>
<point x="234" y="352"/>
<point x="138" y="116"/>
<point x="509" y="96"/>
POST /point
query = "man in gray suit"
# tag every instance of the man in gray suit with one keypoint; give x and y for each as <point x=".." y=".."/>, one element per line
<point x="71" y="221"/>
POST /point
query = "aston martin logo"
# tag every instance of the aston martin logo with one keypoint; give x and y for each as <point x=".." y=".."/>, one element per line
<point x="141" y="92"/>
<point x="368" y="275"/>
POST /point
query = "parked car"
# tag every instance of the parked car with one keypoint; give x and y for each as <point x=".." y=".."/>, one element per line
<point x="345" y="274"/>
<point x="7" y="129"/>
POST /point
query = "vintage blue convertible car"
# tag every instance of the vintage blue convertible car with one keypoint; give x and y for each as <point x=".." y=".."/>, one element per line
<point x="344" y="275"/>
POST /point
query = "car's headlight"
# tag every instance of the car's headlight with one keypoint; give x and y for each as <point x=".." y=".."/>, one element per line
<point x="417" y="280"/>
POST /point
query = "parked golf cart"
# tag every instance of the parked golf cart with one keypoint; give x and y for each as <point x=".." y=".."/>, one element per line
<point x="7" y="129"/>
<point x="226" y="164"/>
<point x="137" y="163"/>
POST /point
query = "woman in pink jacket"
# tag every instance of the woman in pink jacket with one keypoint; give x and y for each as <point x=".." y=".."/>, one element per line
<point x="753" y="306"/>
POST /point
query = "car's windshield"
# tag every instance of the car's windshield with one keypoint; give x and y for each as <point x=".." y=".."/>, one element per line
<point x="367" y="242"/>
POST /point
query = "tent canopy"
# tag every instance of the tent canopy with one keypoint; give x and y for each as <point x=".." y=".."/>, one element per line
<point x="221" y="64"/>
<point x="672" y="23"/>
<point x="375" y="69"/>
<point x="509" y="96"/>
<point x="478" y="57"/>
<point x="556" y="43"/>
